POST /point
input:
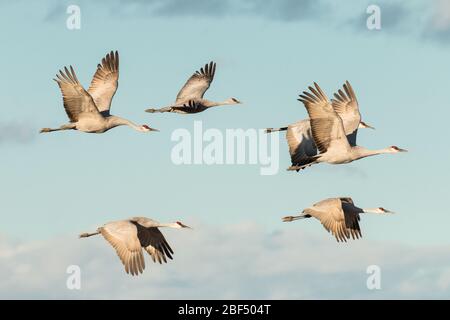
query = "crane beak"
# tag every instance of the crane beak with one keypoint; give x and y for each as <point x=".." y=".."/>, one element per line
<point x="402" y="150"/>
<point x="153" y="129"/>
<point x="365" y="125"/>
<point x="389" y="211"/>
<point x="185" y="226"/>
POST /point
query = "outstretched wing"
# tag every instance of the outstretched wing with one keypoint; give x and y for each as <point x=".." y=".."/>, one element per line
<point x="326" y="125"/>
<point x="197" y="84"/>
<point x="341" y="224"/>
<point x="76" y="100"/>
<point x="346" y="105"/>
<point x="105" y="82"/>
<point x="123" y="236"/>
<point x="300" y="141"/>
<point x="154" y="243"/>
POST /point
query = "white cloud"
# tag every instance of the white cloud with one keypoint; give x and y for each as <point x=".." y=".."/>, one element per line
<point x="16" y="132"/>
<point x="240" y="261"/>
<point x="441" y="15"/>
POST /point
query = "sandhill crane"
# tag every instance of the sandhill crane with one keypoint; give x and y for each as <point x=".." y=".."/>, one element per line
<point x="190" y="98"/>
<point x="299" y="137"/>
<point x="88" y="111"/>
<point x="128" y="237"/>
<point x="339" y="216"/>
<point x="328" y="133"/>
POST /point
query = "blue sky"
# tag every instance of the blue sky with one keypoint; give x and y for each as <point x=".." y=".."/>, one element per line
<point x="56" y="185"/>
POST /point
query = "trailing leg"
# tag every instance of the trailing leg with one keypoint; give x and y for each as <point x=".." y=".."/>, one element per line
<point x="69" y="126"/>
<point x="161" y="110"/>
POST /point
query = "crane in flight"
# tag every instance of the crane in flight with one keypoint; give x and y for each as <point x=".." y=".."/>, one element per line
<point x="89" y="111"/>
<point x="129" y="236"/>
<point x="339" y="216"/>
<point x="190" y="98"/>
<point x="327" y="129"/>
<point x="299" y="137"/>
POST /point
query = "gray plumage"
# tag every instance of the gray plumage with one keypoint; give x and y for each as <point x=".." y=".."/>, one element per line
<point x="346" y="106"/>
<point x="328" y="133"/>
<point x="190" y="98"/>
<point x="128" y="237"/>
<point x="89" y="111"/>
<point x="339" y="216"/>
<point x="299" y="136"/>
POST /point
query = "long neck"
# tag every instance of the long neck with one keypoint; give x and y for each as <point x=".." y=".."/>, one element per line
<point x="169" y="225"/>
<point x="210" y="104"/>
<point x="361" y="152"/>
<point x="371" y="210"/>
<point x="115" y="121"/>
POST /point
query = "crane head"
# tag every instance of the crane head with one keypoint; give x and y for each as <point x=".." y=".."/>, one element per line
<point x="233" y="101"/>
<point x="181" y="225"/>
<point x="383" y="210"/>
<point x="364" y="125"/>
<point x="395" y="149"/>
<point x="146" y="128"/>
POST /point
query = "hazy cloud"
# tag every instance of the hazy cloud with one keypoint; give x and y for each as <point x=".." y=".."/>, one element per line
<point x="424" y="20"/>
<point x="16" y="132"/>
<point x="287" y="10"/>
<point x="438" y="26"/>
<point x="441" y="15"/>
<point x="58" y="11"/>
<point x="399" y="18"/>
<point x="240" y="261"/>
